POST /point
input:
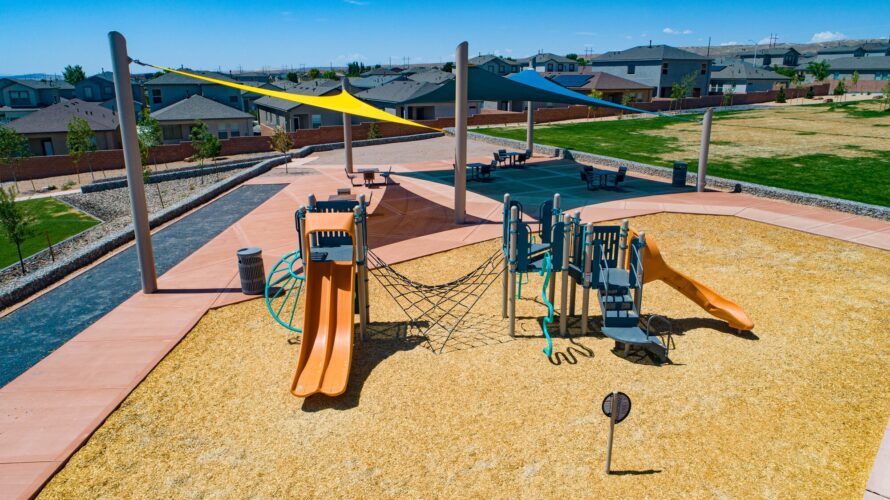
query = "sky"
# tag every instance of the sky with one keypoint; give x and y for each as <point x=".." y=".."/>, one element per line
<point x="46" y="35"/>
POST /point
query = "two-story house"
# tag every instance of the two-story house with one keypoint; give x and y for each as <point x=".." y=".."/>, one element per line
<point x="547" y="62"/>
<point x="47" y="128"/>
<point x="495" y="64"/>
<point x="861" y="50"/>
<point x="868" y="68"/>
<point x="292" y="116"/>
<point x="657" y="66"/>
<point x="22" y="93"/>
<point x="787" y="57"/>
<point x="738" y="77"/>
<point x="171" y="88"/>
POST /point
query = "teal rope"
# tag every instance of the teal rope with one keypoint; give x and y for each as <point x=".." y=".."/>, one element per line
<point x="545" y="271"/>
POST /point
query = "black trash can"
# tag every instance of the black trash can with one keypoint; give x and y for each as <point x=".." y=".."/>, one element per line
<point x="679" y="178"/>
<point x="250" y="268"/>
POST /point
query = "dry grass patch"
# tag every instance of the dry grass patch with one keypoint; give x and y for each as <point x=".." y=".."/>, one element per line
<point x="796" y="409"/>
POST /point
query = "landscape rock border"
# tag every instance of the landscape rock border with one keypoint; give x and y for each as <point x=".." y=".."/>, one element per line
<point x="43" y="278"/>
<point x="799" y="197"/>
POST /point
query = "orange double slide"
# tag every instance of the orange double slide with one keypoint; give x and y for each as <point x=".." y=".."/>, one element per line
<point x="656" y="269"/>
<point x="326" y="346"/>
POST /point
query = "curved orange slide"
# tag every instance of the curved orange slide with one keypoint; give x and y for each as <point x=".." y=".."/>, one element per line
<point x="655" y="268"/>
<point x="326" y="346"/>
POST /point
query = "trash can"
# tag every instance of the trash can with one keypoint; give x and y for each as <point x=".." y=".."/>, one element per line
<point x="250" y="268"/>
<point x="679" y="178"/>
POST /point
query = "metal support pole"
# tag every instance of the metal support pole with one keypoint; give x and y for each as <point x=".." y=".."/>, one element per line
<point x="588" y="261"/>
<point x="638" y="297"/>
<point x="120" y="65"/>
<point x="364" y="205"/>
<point x="530" y="128"/>
<point x="506" y="269"/>
<point x="564" y="289"/>
<point x="347" y="131"/>
<point x="361" y="260"/>
<point x="612" y="416"/>
<point x="554" y="218"/>
<point x="705" y="146"/>
<point x="460" y="133"/>
<point x="514" y="221"/>
<point x="573" y="291"/>
<point x="622" y="244"/>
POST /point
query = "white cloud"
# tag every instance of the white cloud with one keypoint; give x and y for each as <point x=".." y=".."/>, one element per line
<point x="827" y="36"/>
<point x="628" y="37"/>
<point x="356" y="2"/>
<point x="727" y="44"/>
<point x="671" y="31"/>
<point x="352" y="57"/>
<point x="765" y="41"/>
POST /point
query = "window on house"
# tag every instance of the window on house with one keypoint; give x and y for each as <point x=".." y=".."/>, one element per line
<point x="515" y="69"/>
<point x="108" y="90"/>
<point x="233" y="99"/>
<point x="156" y="96"/>
<point x="559" y="67"/>
<point x="549" y="66"/>
<point x="664" y="68"/>
<point x="571" y="67"/>
<point x="502" y="68"/>
<point x="631" y="69"/>
<point x="221" y="131"/>
<point x="171" y="132"/>
<point x="316" y="121"/>
<point x="88" y="92"/>
<point x="837" y="75"/>
<point x="235" y="130"/>
<point x="19" y="98"/>
<point x="767" y="60"/>
<point x="704" y="68"/>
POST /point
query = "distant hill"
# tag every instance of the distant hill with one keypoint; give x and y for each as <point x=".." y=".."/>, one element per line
<point x="803" y="48"/>
<point x="34" y="76"/>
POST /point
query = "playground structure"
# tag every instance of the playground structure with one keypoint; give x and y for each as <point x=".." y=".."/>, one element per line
<point x="332" y="250"/>
<point x="615" y="261"/>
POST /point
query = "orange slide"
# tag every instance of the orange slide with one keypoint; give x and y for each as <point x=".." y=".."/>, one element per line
<point x="655" y="268"/>
<point x="326" y="347"/>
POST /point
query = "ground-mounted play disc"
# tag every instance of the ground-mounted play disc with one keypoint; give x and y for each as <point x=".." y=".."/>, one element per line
<point x="283" y="289"/>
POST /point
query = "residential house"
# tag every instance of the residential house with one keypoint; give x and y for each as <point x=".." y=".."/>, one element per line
<point x="414" y="100"/>
<point x="847" y="51"/>
<point x="100" y="88"/>
<point x="249" y="98"/>
<point x="496" y="64"/>
<point x="395" y="70"/>
<point x="787" y="57"/>
<point x="292" y="116"/>
<point x="436" y="76"/>
<point x="613" y="88"/>
<point x="171" y="88"/>
<point x="367" y="82"/>
<point x="251" y="76"/>
<point x="658" y="67"/>
<point x="869" y="68"/>
<point x="8" y="114"/>
<point x="740" y="78"/>
<point x="23" y="93"/>
<point x="47" y="128"/>
<point x="547" y="62"/>
<point x="177" y="119"/>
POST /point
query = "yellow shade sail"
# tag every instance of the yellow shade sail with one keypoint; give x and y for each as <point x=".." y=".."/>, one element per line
<point x="344" y="102"/>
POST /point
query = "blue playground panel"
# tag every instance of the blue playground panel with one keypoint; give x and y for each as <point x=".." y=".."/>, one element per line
<point x="41" y="326"/>
<point x="536" y="184"/>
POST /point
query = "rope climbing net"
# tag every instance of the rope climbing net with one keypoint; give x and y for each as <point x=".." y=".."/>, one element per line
<point x="436" y="311"/>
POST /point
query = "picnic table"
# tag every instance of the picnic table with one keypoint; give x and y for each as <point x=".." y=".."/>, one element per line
<point x="511" y="156"/>
<point x="475" y="170"/>
<point x="368" y="174"/>
<point x="342" y="197"/>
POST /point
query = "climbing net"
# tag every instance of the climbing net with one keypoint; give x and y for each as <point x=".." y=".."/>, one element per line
<point x="436" y="311"/>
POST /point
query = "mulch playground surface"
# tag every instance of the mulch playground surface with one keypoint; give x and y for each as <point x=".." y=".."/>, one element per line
<point x="796" y="408"/>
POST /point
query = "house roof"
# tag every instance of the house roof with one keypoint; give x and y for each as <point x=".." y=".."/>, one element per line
<point x="872" y="63"/>
<point x="484" y="58"/>
<point x="397" y="92"/>
<point x="177" y="79"/>
<point x="367" y="82"/>
<point x="41" y="84"/>
<point x="198" y="107"/>
<point x="849" y="49"/>
<point x="740" y="70"/>
<point x="432" y="76"/>
<point x="543" y="57"/>
<point x="383" y="71"/>
<point x="597" y="80"/>
<point x="649" y="53"/>
<point x="312" y="87"/>
<point x="55" y="118"/>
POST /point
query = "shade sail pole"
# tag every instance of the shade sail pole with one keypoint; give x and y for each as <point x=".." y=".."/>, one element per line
<point x="530" y="126"/>
<point x="460" y="133"/>
<point x="347" y="131"/>
<point x="120" y="66"/>
<point x="705" y="147"/>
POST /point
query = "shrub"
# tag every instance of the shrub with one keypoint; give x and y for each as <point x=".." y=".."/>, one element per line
<point x="780" y="97"/>
<point x="810" y="93"/>
<point x="373" y="133"/>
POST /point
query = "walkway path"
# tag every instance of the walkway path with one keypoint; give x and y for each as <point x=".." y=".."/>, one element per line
<point x="50" y="410"/>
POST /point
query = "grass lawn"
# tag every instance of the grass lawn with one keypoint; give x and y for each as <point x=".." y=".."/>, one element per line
<point x="840" y="150"/>
<point x="51" y="217"/>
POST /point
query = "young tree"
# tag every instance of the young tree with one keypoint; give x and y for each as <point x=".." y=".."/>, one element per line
<point x="73" y="74"/>
<point x="330" y="75"/>
<point x="281" y="142"/>
<point x="819" y="70"/>
<point x="13" y="147"/>
<point x="293" y="77"/>
<point x="680" y="89"/>
<point x="81" y="140"/>
<point x="797" y="82"/>
<point x="373" y="133"/>
<point x="626" y="99"/>
<point x="728" y="94"/>
<point x="313" y="73"/>
<point x="841" y="88"/>
<point x="572" y="56"/>
<point x="448" y="67"/>
<point x="150" y="134"/>
<point x="886" y="92"/>
<point x="581" y="61"/>
<point x="855" y="80"/>
<point x="596" y="94"/>
<point x="15" y="220"/>
<point x="780" y="97"/>
<point x="205" y="144"/>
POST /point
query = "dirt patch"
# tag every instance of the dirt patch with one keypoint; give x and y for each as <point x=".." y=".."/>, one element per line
<point x="795" y="409"/>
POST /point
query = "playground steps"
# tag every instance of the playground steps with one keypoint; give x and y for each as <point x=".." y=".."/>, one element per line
<point x="621" y="317"/>
<point x="618" y="302"/>
<point x="635" y="336"/>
